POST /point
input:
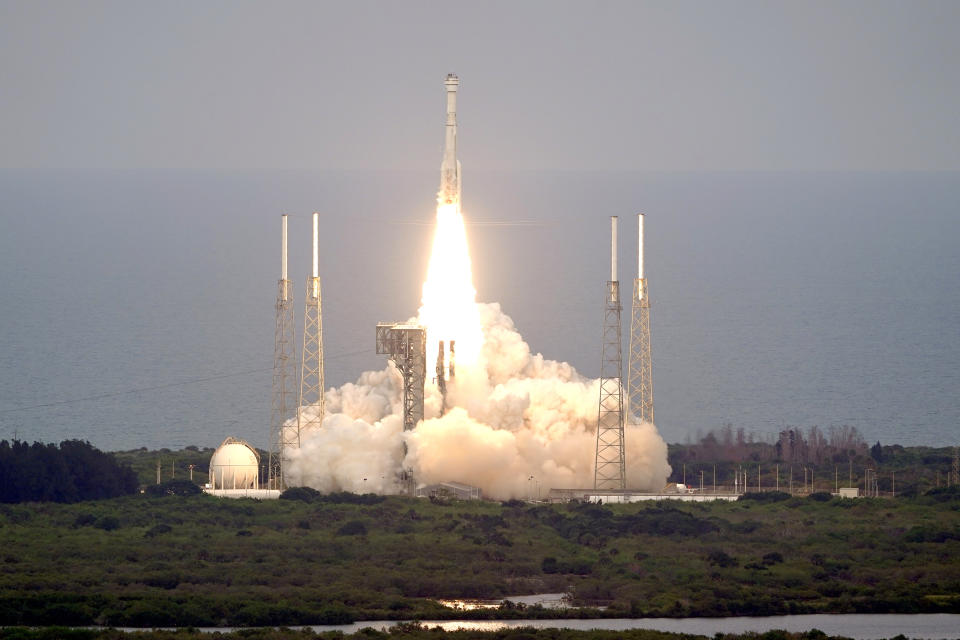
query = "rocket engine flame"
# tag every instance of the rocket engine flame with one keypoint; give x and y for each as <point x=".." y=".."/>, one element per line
<point x="449" y="304"/>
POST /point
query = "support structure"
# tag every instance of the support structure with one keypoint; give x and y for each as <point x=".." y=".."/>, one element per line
<point x="282" y="404"/>
<point x="640" y="369"/>
<point x="611" y="469"/>
<point x="406" y="346"/>
<point x="441" y="379"/>
<point x="311" y="405"/>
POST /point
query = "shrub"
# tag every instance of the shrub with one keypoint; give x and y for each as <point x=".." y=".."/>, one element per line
<point x="157" y="530"/>
<point x="549" y="565"/>
<point x="173" y="488"/>
<point x="764" y="496"/>
<point x="721" y="558"/>
<point x="353" y="528"/>
<point x="747" y="526"/>
<point x="84" y="520"/>
<point x="345" y="497"/>
<point x="304" y="494"/>
<point x="820" y="496"/>
<point x="107" y="523"/>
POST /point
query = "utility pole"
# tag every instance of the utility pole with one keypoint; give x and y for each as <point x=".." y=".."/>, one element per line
<point x="158" y="470"/>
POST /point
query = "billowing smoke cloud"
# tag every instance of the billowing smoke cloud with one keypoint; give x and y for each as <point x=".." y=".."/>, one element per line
<point x="515" y="421"/>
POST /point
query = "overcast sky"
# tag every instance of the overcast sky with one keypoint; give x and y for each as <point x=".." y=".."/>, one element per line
<point x="545" y="85"/>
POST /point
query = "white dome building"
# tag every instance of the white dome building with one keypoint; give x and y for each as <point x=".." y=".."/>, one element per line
<point x="235" y="465"/>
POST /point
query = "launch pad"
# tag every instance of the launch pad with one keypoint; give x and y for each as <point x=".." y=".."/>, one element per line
<point x="450" y="319"/>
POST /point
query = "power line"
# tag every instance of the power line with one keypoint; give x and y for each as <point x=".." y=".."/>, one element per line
<point x="114" y="394"/>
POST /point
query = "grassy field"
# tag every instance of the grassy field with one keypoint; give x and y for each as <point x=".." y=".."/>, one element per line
<point x="202" y="561"/>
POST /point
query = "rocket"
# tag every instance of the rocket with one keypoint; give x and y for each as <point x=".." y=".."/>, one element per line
<point x="450" y="167"/>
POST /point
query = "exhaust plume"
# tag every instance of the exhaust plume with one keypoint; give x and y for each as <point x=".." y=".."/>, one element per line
<point x="513" y="416"/>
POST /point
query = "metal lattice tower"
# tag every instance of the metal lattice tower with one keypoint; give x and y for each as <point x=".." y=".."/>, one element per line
<point x="282" y="404"/>
<point x="640" y="369"/>
<point x="406" y="346"/>
<point x="611" y="469"/>
<point x="311" y="367"/>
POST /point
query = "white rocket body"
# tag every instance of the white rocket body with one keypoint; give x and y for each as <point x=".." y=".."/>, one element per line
<point x="450" y="167"/>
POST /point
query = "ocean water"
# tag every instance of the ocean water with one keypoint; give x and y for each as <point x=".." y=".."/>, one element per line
<point x="136" y="307"/>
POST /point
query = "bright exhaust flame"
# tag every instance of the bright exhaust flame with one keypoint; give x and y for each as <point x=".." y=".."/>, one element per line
<point x="449" y="305"/>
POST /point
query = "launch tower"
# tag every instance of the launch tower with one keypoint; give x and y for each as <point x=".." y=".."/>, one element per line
<point x="281" y="406"/>
<point x="406" y="346"/>
<point x="310" y="412"/>
<point x="611" y="469"/>
<point x="640" y="369"/>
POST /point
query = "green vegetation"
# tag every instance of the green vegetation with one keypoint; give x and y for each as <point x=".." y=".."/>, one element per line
<point x="72" y="472"/>
<point x="808" y="462"/>
<point x="405" y="631"/>
<point x="173" y="464"/>
<point x="175" y="560"/>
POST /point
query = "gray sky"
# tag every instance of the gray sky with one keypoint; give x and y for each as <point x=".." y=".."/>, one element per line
<point x="545" y="85"/>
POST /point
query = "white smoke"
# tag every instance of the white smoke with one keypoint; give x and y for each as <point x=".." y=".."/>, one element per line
<point x="515" y="421"/>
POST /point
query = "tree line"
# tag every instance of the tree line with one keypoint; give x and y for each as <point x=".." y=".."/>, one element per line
<point x="71" y="472"/>
<point x="793" y="445"/>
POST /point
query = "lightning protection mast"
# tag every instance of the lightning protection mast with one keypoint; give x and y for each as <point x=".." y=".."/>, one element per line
<point x="640" y="369"/>
<point x="611" y="469"/>
<point x="282" y="435"/>
<point x="311" y="406"/>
